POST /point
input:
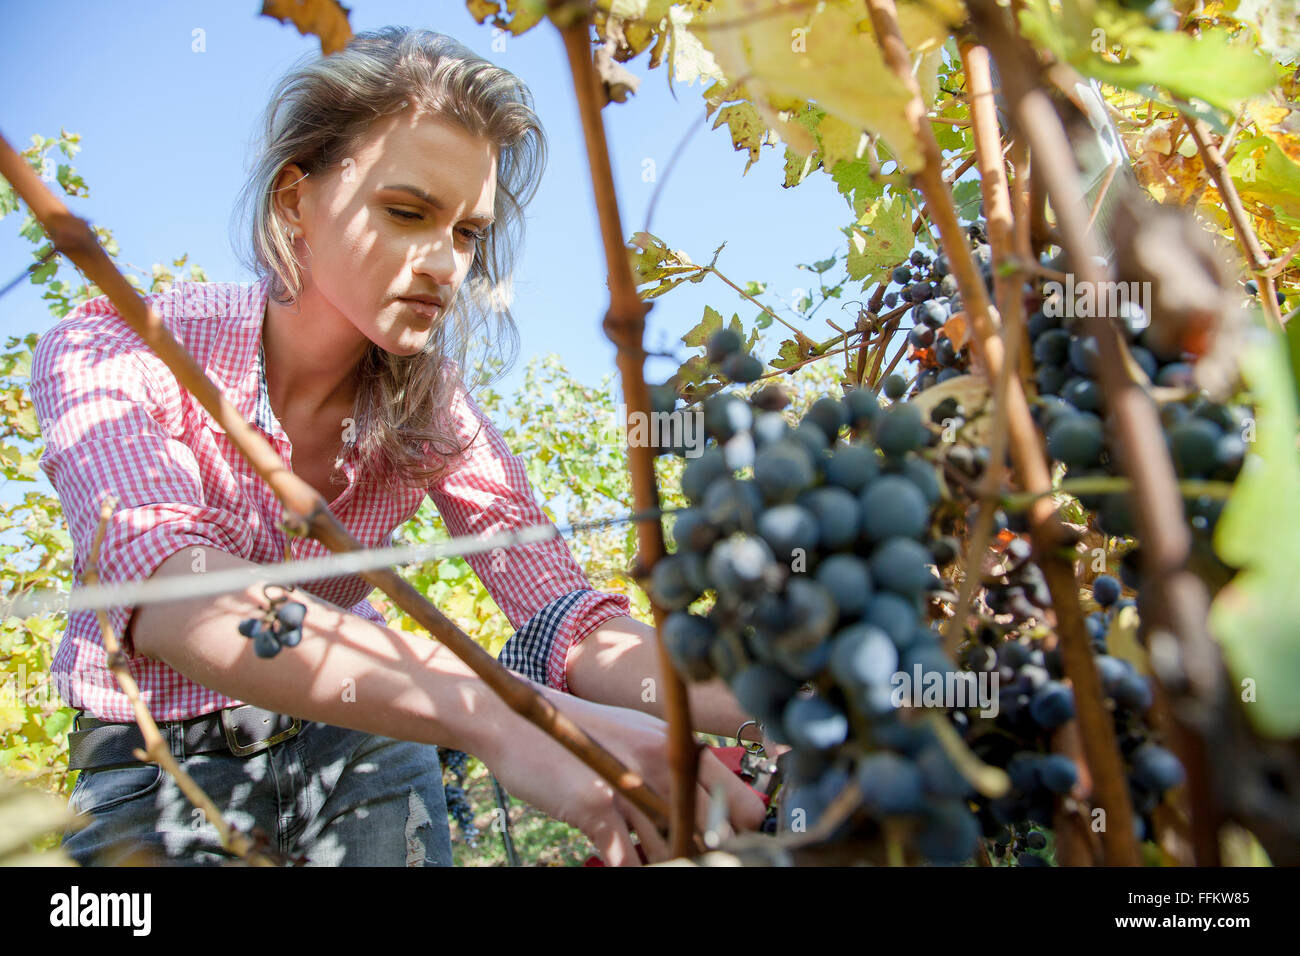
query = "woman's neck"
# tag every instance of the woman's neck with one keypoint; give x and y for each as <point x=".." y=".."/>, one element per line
<point x="311" y="362"/>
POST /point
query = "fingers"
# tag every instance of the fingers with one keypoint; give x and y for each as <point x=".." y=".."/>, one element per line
<point x="613" y="841"/>
<point x="744" y="806"/>
<point x="655" y="846"/>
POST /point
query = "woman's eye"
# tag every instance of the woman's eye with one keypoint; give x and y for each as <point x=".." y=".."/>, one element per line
<point x="472" y="236"/>
<point x="403" y="214"/>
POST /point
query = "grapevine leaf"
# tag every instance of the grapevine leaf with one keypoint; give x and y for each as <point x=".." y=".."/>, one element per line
<point x="793" y="351"/>
<point x="872" y="253"/>
<point x="828" y="56"/>
<point x="710" y="323"/>
<point x="966" y="196"/>
<point x="327" y="19"/>
<point x="839" y="141"/>
<point x="1210" y="67"/>
<point x="855" y="181"/>
<point x="1254" y="616"/>
<point x="748" y="131"/>
<point x="1264" y="173"/>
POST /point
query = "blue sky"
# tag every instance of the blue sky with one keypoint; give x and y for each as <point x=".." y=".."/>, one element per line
<point x="166" y="133"/>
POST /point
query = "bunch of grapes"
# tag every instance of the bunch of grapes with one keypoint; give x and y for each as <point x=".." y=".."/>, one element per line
<point x="819" y="553"/>
<point x="455" y="767"/>
<point x="932" y="289"/>
<point x="280" y="627"/>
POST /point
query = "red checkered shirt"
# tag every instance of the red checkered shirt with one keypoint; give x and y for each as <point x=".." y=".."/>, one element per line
<point x="115" y="420"/>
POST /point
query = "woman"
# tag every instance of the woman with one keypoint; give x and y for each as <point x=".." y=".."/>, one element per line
<point x="386" y="208"/>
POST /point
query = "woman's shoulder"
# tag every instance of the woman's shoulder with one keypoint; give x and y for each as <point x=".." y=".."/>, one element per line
<point x="199" y="314"/>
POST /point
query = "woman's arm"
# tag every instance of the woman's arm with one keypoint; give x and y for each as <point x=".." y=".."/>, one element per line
<point x="351" y="672"/>
<point x="594" y="650"/>
<point x="618" y="664"/>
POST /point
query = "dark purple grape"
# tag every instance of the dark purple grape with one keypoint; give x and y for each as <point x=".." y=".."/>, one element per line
<point x="725" y="415"/>
<point x="901" y="430"/>
<point x="265" y="643"/>
<point x="851" y="466"/>
<point x="895" y="387"/>
<point x="894" y="506"/>
<point x="741" y="368"/>
<point x="1077" y="440"/>
<point x="689" y="640"/>
<point x="1157" y="769"/>
<point x="1052" y="347"/>
<point x="783" y="469"/>
<point x="763" y="691"/>
<point x="1194" y="445"/>
<point x="815" y="723"/>
<point x="1058" y="774"/>
<point x="1105" y="590"/>
<point x="1052" y="705"/>
<point x="789" y="528"/>
<point x="829" y="415"/>
<point x="864" y="408"/>
<point x="701" y="472"/>
<point x="863" y="655"/>
<point x="848" y="579"/>
<point x="900" y="565"/>
<point x="291" y="614"/>
<point x="838" y="515"/>
<point x="890" y="784"/>
<point x="722" y="344"/>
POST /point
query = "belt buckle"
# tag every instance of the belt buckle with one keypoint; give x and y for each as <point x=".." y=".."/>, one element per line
<point x="244" y="750"/>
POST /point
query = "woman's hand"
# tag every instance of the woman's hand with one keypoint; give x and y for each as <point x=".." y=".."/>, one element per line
<point x="534" y="767"/>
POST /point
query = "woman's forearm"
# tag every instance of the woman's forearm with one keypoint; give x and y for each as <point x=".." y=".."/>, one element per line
<point x="346" y="671"/>
<point x="618" y="663"/>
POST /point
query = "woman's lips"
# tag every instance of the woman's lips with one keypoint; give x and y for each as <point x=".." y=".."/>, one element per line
<point x="426" y="310"/>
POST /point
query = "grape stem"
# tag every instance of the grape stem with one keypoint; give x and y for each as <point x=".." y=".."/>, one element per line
<point x="1110" y="484"/>
<point x="624" y="325"/>
<point x="1254" y="252"/>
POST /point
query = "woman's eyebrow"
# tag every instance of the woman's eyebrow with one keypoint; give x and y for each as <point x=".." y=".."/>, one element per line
<point x="486" y="217"/>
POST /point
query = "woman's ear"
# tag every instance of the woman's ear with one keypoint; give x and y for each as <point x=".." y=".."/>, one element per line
<point x="287" y="196"/>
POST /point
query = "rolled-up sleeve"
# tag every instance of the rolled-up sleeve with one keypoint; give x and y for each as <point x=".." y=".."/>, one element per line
<point x="107" y="431"/>
<point x="539" y="586"/>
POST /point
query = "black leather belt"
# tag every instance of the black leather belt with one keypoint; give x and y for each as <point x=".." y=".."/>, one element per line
<point x="245" y="730"/>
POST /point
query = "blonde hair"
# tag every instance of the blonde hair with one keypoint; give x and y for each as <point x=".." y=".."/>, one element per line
<point x="319" y="112"/>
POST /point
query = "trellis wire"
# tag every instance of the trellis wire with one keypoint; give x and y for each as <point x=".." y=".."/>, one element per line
<point x="205" y="584"/>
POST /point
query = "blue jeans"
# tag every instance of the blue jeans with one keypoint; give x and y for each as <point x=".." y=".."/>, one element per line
<point x="338" y="797"/>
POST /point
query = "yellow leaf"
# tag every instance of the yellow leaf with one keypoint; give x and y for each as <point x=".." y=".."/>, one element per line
<point x="480" y="10"/>
<point x="823" y="56"/>
<point x="839" y="141"/>
<point x="327" y="19"/>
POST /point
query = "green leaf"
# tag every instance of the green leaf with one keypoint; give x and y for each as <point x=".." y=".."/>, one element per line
<point x="966" y="196"/>
<point x="699" y="336"/>
<point x="1211" y="67"/>
<point x="792" y="352"/>
<point x="1254" y="616"/>
<point x="1262" y="172"/>
<point x="58" y="722"/>
<point x="42" y="273"/>
<point x="855" y="182"/>
<point x="451" y="570"/>
<point x="880" y="240"/>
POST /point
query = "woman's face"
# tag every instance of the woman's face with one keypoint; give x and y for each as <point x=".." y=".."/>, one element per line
<point x="399" y="219"/>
